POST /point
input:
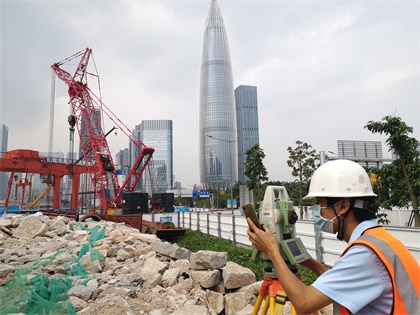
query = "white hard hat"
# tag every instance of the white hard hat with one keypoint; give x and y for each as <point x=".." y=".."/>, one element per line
<point x="340" y="178"/>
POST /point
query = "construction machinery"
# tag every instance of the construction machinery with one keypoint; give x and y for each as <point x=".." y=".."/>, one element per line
<point x="29" y="161"/>
<point x="96" y="161"/>
<point x="84" y="104"/>
<point x="96" y="153"/>
<point x="35" y="202"/>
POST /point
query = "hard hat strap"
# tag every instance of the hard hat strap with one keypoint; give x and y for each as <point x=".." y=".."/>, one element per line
<point x="340" y="218"/>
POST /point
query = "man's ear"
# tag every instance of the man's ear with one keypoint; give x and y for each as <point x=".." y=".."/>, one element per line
<point x="344" y="206"/>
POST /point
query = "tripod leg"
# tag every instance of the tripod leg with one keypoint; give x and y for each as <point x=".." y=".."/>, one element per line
<point x="257" y="305"/>
<point x="278" y="309"/>
<point x="266" y="305"/>
<point x="273" y="306"/>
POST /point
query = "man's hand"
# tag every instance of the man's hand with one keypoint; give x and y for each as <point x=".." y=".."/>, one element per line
<point x="263" y="240"/>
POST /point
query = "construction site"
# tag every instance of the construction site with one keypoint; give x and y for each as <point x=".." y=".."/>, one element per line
<point x="94" y="186"/>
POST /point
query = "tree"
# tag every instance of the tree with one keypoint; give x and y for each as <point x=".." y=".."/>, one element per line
<point x="402" y="176"/>
<point x="303" y="161"/>
<point x="255" y="170"/>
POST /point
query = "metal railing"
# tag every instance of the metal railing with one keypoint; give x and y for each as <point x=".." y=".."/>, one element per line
<point x="324" y="247"/>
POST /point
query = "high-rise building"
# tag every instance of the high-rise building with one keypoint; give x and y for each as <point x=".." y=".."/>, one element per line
<point x="134" y="152"/>
<point x="4" y="136"/>
<point x="158" y="135"/>
<point x="247" y="124"/>
<point x="94" y="123"/>
<point x="122" y="160"/>
<point x="217" y="123"/>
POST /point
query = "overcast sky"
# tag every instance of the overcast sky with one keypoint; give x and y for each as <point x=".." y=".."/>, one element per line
<point x="323" y="69"/>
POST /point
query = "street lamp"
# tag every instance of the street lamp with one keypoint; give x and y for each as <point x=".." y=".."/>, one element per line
<point x="231" y="169"/>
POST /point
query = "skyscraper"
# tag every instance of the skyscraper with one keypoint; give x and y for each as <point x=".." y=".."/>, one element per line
<point x="122" y="160"/>
<point x="158" y="135"/>
<point x="247" y="124"/>
<point x="134" y="151"/>
<point x="94" y="123"/>
<point x="4" y="136"/>
<point x="217" y="123"/>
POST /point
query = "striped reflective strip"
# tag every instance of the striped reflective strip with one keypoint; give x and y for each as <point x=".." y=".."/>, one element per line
<point x="402" y="279"/>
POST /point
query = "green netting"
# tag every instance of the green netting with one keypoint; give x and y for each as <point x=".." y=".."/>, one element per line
<point x="32" y="292"/>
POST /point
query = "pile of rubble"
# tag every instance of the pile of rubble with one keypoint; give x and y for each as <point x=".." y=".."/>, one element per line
<point x="135" y="274"/>
<point x="125" y="271"/>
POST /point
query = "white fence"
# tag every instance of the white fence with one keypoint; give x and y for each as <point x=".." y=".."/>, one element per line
<point x="325" y="247"/>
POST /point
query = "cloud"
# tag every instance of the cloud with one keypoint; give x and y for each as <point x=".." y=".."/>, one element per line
<point x="322" y="69"/>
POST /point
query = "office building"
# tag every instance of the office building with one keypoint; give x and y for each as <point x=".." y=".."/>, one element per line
<point x="217" y="121"/>
<point x="95" y="124"/>
<point x="4" y="136"/>
<point x="122" y="160"/>
<point x="247" y="124"/>
<point x="366" y="153"/>
<point x="157" y="134"/>
<point x="134" y="151"/>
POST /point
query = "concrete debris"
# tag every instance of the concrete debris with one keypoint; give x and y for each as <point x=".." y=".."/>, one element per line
<point x="135" y="274"/>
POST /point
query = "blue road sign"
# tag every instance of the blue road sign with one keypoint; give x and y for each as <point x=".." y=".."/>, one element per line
<point x="204" y="193"/>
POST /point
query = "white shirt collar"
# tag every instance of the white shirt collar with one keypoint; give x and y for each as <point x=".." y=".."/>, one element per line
<point x="363" y="226"/>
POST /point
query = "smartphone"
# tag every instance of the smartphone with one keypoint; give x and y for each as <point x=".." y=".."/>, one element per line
<point x="249" y="212"/>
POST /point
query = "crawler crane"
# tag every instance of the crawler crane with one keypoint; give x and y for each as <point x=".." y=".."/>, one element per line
<point x="94" y="145"/>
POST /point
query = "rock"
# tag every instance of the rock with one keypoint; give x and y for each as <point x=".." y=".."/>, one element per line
<point x="109" y="305"/>
<point x="170" y="277"/>
<point x="236" y="276"/>
<point x="82" y="292"/>
<point x="78" y="304"/>
<point x="246" y="311"/>
<point x="126" y="272"/>
<point x="123" y="255"/>
<point x="207" y="278"/>
<point x="6" y="273"/>
<point x="192" y="310"/>
<point x="235" y="302"/>
<point x="204" y="259"/>
<point x="216" y="301"/>
<point x="171" y="250"/>
<point x="30" y="227"/>
<point x="153" y="264"/>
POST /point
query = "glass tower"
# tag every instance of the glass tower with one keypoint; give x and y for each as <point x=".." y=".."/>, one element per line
<point x="217" y="121"/>
<point x="4" y="136"/>
<point x="158" y="135"/>
<point x="247" y="124"/>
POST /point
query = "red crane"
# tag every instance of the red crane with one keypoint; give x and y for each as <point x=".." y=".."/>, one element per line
<point x="94" y="145"/>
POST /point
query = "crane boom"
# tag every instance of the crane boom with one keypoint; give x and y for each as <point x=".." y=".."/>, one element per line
<point x="94" y="145"/>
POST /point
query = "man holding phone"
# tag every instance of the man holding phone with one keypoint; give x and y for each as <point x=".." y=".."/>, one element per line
<point x="367" y="277"/>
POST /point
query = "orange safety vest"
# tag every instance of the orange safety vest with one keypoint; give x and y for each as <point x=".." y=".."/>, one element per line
<point x="401" y="265"/>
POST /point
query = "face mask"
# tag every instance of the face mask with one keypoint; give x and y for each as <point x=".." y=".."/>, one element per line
<point x="320" y="222"/>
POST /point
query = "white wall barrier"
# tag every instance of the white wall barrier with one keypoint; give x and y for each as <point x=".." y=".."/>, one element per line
<point x="221" y="224"/>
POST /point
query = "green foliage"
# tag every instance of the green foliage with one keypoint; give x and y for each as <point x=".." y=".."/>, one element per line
<point x="383" y="218"/>
<point x="303" y="161"/>
<point x="169" y="223"/>
<point x="308" y="277"/>
<point x="402" y="177"/>
<point x="150" y="230"/>
<point x="196" y="240"/>
<point x="255" y="169"/>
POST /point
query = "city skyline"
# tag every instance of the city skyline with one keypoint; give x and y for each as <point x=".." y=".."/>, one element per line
<point x="323" y="69"/>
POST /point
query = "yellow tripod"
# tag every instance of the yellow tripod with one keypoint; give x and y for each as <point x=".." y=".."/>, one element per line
<point x="276" y="298"/>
